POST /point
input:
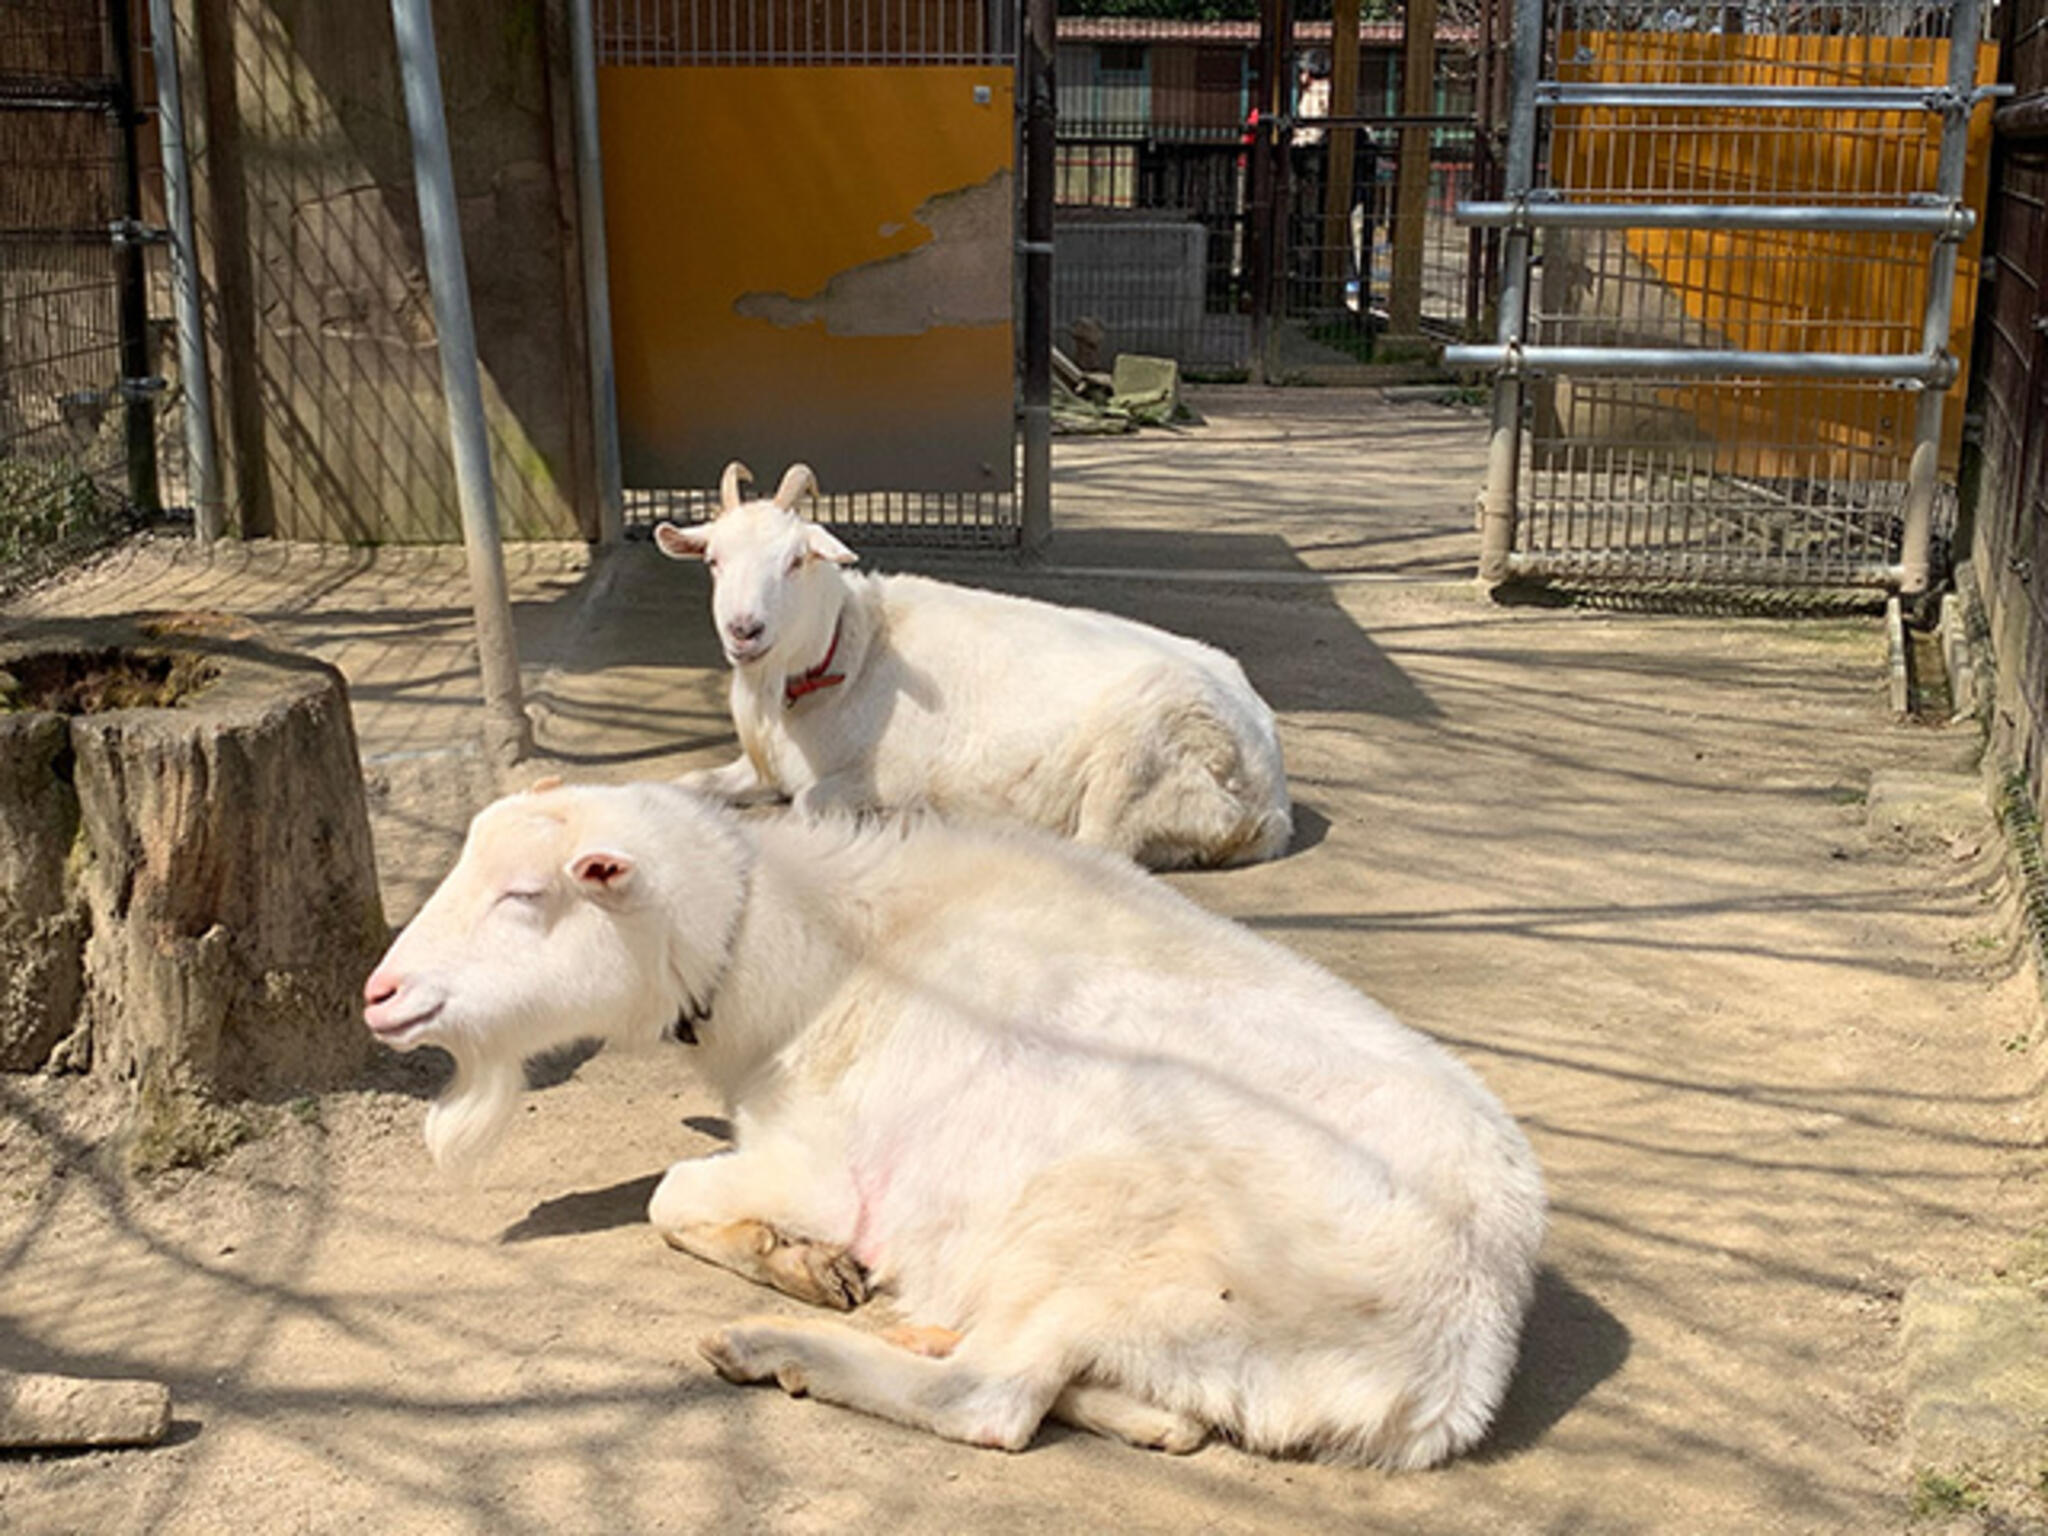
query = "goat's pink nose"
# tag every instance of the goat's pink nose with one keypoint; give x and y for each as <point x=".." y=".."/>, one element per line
<point x="380" y="988"/>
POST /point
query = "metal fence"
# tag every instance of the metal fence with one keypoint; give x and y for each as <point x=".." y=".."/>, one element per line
<point x="2010" y="543"/>
<point x="824" y="34"/>
<point x="1166" y="214"/>
<point x="77" y="417"/>
<point x="1745" y="324"/>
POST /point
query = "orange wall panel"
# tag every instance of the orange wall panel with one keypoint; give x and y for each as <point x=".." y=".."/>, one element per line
<point x="812" y="263"/>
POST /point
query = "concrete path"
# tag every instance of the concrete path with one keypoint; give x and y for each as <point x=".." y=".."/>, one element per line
<point x="1779" y="1062"/>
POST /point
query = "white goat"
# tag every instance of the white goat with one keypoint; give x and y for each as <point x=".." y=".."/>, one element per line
<point x="854" y="692"/>
<point x="1119" y="1160"/>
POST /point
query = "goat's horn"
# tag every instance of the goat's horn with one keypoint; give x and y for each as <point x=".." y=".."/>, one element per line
<point x="729" y="484"/>
<point x="795" y="481"/>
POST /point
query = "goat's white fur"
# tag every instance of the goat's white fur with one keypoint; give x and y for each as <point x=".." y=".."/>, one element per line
<point x="976" y="703"/>
<point x="1162" y="1176"/>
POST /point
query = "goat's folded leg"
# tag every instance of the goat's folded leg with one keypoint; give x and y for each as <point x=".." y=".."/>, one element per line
<point x="824" y="1274"/>
<point x="736" y="1211"/>
<point x="834" y="1363"/>
<point x="1116" y="1415"/>
<point x="737" y="783"/>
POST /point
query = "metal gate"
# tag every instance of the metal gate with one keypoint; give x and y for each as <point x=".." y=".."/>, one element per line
<point x="77" y="420"/>
<point x="810" y="222"/>
<point x="1271" y="198"/>
<point x="1741" y="354"/>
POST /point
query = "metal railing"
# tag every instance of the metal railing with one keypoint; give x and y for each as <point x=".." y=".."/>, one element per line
<point x="1739" y="347"/>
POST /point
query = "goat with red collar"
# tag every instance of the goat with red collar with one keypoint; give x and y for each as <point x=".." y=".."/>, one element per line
<point x="859" y="693"/>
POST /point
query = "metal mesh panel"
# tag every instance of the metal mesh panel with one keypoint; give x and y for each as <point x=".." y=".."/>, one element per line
<point x="1794" y="480"/>
<point x="924" y="518"/>
<point x="63" y="452"/>
<point x="679" y="32"/>
<point x="1153" y="192"/>
<point x="1157" y="225"/>
<point x="1637" y="486"/>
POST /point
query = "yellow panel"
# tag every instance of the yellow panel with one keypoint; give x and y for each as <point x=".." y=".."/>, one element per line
<point x="1846" y="292"/>
<point x="812" y="263"/>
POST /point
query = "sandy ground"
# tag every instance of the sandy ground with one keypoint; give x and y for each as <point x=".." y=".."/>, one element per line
<point x="1778" y="1064"/>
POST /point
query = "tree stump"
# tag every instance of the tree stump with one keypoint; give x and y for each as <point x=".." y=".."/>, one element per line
<point x="188" y="897"/>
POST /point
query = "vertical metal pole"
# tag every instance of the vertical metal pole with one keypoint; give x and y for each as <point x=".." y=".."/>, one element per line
<point x="508" y="735"/>
<point x="1035" y="65"/>
<point x="1269" y="96"/>
<point x="1504" y="444"/>
<point x="1923" y="469"/>
<point x="597" y="287"/>
<point x="193" y="371"/>
<point x="131" y="272"/>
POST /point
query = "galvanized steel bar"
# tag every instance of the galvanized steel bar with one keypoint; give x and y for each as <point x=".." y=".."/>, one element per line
<point x="208" y="507"/>
<point x="507" y="733"/>
<point x="1923" y="468"/>
<point x="1544" y="213"/>
<point x="1504" y="437"/>
<point x="1744" y="98"/>
<point x="597" y="291"/>
<point x="1704" y="363"/>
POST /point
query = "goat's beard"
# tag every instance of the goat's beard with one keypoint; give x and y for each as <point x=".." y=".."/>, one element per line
<point x="466" y="1122"/>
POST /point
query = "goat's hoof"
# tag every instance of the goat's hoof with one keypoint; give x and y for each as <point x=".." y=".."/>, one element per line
<point x="841" y="1279"/>
<point x="735" y="1355"/>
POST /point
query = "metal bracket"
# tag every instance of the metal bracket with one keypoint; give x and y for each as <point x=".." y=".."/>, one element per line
<point x="135" y="232"/>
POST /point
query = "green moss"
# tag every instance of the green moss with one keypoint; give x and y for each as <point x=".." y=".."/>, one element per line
<point x="176" y="1128"/>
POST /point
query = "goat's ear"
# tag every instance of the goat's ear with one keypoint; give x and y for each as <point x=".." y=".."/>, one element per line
<point x="821" y="545"/>
<point x="602" y="872"/>
<point x="681" y="543"/>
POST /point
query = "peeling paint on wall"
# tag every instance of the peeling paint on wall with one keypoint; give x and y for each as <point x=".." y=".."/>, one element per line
<point x="960" y="276"/>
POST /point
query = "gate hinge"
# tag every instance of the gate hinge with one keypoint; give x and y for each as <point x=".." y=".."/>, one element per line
<point x="135" y="232"/>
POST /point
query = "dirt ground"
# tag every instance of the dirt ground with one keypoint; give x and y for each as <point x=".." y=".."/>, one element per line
<point x="1779" y="1063"/>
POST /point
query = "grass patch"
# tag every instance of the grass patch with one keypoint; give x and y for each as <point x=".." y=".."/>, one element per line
<point x="1941" y="1494"/>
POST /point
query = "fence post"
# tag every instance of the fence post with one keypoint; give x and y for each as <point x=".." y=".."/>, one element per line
<point x="1035" y="59"/>
<point x="1411" y="184"/>
<point x="1504" y="441"/>
<point x="508" y="734"/>
<point x="193" y="372"/>
<point x="136" y="385"/>
<point x="1924" y="467"/>
<point x="597" y="292"/>
<point x="1342" y="163"/>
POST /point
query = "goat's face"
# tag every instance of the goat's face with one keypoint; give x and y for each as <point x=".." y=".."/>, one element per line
<point x="765" y="569"/>
<point x="540" y="935"/>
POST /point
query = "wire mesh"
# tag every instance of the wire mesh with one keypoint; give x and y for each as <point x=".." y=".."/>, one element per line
<point x="63" y="449"/>
<point x="928" y="519"/>
<point x="1796" y="480"/>
<point x="1156" y="223"/>
<point x="813" y="32"/>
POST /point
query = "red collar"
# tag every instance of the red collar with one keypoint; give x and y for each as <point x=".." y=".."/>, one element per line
<point x="794" y="688"/>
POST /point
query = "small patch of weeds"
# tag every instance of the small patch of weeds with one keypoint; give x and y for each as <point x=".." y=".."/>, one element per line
<point x="1945" y="1493"/>
<point x="305" y="1110"/>
<point x="176" y="1128"/>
